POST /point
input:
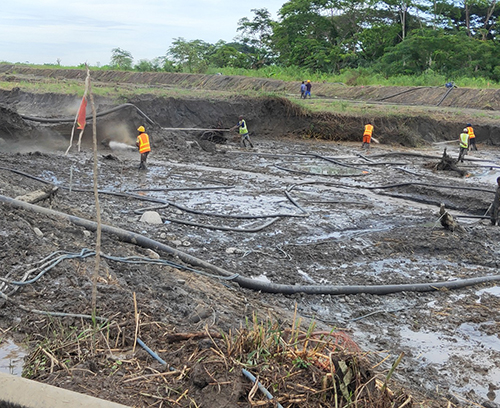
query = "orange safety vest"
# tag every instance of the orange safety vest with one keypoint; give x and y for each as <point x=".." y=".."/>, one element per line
<point x="143" y="140"/>
<point x="470" y="131"/>
<point x="368" y="130"/>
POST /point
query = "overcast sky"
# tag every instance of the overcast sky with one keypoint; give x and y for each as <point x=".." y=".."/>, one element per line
<point x="43" y="31"/>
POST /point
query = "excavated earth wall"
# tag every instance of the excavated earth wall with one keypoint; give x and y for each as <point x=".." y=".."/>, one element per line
<point x="275" y="115"/>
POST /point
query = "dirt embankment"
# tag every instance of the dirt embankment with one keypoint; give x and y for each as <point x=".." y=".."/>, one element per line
<point x="277" y="116"/>
<point x="485" y="99"/>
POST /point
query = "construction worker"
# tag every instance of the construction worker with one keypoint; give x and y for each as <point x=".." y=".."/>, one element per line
<point x="464" y="145"/>
<point x="244" y="135"/>
<point x="472" y="137"/>
<point x="495" y="206"/>
<point x="143" y="145"/>
<point x="308" y="89"/>
<point x="302" y="90"/>
<point x="367" y="135"/>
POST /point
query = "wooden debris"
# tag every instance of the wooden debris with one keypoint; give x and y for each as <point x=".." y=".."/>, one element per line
<point x="39" y="195"/>
<point x="449" y="164"/>
<point x="447" y="220"/>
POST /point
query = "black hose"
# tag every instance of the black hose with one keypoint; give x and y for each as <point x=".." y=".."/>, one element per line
<point x="159" y="200"/>
<point x="429" y="185"/>
<point x="137" y="239"/>
<point x="107" y="112"/>
<point x="334" y="161"/>
<point x="316" y="174"/>
<point x="221" y="227"/>
<point x="399" y="93"/>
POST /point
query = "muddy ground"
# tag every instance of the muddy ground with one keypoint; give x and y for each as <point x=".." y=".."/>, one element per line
<point x="337" y="223"/>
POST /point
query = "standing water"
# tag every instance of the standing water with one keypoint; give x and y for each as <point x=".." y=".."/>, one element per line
<point x="11" y="357"/>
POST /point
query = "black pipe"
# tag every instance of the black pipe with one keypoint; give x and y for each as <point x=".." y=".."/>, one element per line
<point x="137" y="239"/>
<point x="67" y="120"/>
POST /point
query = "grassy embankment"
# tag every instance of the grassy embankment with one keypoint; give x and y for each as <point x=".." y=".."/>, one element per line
<point x="126" y="91"/>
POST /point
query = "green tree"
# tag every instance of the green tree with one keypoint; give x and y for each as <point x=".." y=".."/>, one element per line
<point x="121" y="59"/>
<point x="257" y="34"/>
<point x="450" y="54"/>
<point x="190" y="56"/>
<point x="145" y="65"/>
<point x="306" y="35"/>
<point x="226" y="55"/>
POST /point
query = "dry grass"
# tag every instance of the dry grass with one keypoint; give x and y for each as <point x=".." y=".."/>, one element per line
<point x="300" y="367"/>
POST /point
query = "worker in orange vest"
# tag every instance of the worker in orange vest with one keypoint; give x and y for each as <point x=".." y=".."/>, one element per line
<point x="472" y="137"/>
<point x="143" y="145"/>
<point x="367" y="135"/>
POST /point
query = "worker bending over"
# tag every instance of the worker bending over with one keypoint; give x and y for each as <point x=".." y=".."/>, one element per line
<point x="143" y="145"/>
<point x="243" y="130"/>
<point x="367" y="136"/>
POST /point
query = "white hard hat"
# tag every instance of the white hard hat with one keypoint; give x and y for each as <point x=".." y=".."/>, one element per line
<point x="465" y="130"/>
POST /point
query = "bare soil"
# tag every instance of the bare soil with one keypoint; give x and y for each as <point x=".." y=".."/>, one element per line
<point x="346" y="217"/>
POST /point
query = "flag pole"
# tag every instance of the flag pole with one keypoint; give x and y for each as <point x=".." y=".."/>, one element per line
<point x="96" y="196"/>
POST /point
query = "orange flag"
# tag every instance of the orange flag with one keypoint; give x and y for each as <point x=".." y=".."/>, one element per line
<point x="82" y="114"/>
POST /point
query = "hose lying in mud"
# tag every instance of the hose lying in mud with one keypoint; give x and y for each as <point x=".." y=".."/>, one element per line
<point x="184" y="188"/>
<point x="140" y="240"/>
<point x="307" y="173"/>
<point x="107" y="112"/>
<point x="221" y="227"/>
<point x="429" y="185"/>
<point x="86" y="253"/>
<point x="263" y="389"/>
<point x="424" y="156"/>
<point x="338" y="163"/>
<point x="164" y="203"/>
<point x="399" y="93"/>
<point x="151" y="352"/>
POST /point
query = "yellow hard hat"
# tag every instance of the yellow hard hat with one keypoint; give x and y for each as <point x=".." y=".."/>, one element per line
<point x="308" y="80"/>
<point x="141" y="129"/>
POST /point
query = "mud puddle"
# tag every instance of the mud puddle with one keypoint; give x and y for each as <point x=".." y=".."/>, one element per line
<point x="11" y="357"/>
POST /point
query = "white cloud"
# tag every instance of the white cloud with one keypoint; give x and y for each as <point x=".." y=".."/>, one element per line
<point x="44" y="30"/>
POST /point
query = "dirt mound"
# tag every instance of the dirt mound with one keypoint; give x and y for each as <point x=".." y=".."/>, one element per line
<point x="12" y="126"/>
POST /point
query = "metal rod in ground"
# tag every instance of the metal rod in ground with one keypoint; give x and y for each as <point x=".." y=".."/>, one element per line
<point x="252" y="378"/>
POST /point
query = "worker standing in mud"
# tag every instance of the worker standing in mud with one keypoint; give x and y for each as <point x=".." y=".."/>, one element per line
<point x="144" y="146"/>
<point x="243" y="130"/>
<point x="302" y="90"/>
<point x="472" y="137"/>
<point x="495" y="206"/>
<point x="367" y="136"/>
<point x="464" y="145"/>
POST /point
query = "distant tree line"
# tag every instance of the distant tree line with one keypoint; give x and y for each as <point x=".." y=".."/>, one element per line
<point x="389" y="37"/>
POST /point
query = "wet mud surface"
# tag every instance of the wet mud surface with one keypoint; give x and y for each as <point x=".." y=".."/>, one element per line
<point x="289" y="212"/>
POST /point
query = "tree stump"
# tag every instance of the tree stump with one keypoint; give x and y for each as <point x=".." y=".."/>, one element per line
<point x="448" y="163"/>
<point x="447" y="220"/>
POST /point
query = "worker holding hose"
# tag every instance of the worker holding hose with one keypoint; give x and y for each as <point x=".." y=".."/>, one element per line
<point x="495" y="206"/>
<point x="143" y="145"/>
<point x="464" y="145"/>
<point x="244" y="138"/>
<point x="367" y="135"/>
